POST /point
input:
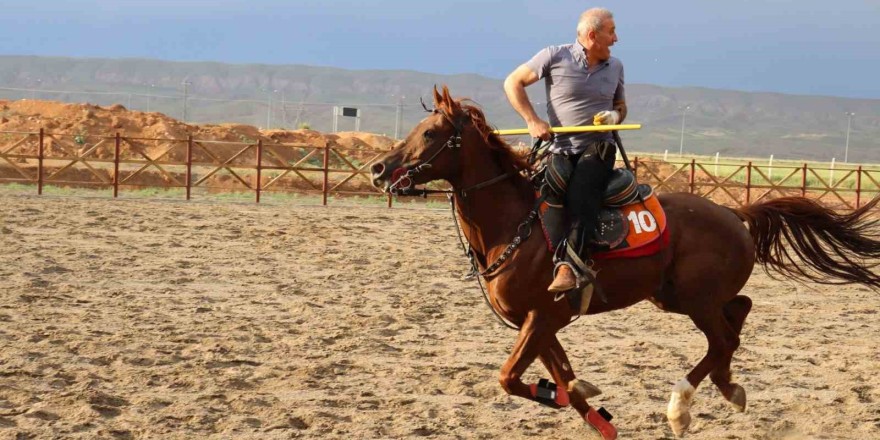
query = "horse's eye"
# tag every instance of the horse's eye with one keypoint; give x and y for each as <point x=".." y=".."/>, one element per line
<point x="429" y="134"/>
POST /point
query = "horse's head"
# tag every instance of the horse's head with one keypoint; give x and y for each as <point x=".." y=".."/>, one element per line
<point x="431" y="151"/>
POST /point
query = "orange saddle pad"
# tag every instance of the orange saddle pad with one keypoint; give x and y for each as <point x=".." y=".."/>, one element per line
<point x="646" y="231"/>
<point x="633" y="230"/>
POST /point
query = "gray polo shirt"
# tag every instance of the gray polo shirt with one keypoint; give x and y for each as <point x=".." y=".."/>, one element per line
<point x="575" y="93"/>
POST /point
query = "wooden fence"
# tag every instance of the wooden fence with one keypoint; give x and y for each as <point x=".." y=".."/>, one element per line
<point x="117" y="163"/>
<point x="744" y="183"/>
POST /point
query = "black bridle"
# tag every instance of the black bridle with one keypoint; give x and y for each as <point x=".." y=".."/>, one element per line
<point x="452" y="143"/>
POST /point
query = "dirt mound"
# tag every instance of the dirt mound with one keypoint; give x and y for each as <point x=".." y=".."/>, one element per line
<point x="86" y="130"/>
<point x="356" y="139"/>
<point x="93" y="120"/>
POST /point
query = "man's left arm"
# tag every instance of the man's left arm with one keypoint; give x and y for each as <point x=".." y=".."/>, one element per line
<point x="619" y="102"/>
<point x="620" y="107"/>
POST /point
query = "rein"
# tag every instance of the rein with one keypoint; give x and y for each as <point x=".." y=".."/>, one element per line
<point x="523" y="230"/>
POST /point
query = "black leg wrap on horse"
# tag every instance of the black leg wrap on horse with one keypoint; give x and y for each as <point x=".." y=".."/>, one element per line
<point x="546" y="390"/>
<point x="549" y="394"/>
<point x="605" y="414"/>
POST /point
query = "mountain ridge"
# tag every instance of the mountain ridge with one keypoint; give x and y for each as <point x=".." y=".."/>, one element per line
<point x="734" y="123"/>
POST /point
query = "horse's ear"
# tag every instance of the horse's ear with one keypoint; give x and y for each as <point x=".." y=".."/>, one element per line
<point x="437" y="98"/>
<point x="454" y="107"/>
<point x="446" y="96"/>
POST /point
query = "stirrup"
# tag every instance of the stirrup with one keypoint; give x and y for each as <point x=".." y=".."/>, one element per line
<point x="587" y="290"/>
<point x="586" y="286"/>
<point x="589" y="276"/>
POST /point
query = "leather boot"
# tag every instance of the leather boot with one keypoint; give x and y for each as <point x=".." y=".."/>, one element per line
<point x="565" y="280"/>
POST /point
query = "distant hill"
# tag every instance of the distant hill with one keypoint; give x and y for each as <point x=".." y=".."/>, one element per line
<point x="731" y="122"/>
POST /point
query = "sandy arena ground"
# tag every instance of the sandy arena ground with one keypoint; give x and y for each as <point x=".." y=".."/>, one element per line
<point x="172" y="320"/>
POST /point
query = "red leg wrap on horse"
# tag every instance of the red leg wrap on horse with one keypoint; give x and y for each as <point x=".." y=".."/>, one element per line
<point x="604" y="427"/>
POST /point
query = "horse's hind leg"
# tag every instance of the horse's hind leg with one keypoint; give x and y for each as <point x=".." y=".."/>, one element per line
<point x="735" y="312"/>
<point x="722" y="341"/>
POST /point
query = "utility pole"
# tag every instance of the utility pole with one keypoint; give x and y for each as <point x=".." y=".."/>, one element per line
<point x="185" y="97"/>
<point x="398" y="117"/>
<point x="150" y="96"/>
<point x="283" y="112"/>
<point x="269" y="93"/>
<point x="397" y="123"/>
<point x="849" y="116"/>
<point x="301" y="108"/>
<point x="681" y="145"/>
<point x="34" y="91"/>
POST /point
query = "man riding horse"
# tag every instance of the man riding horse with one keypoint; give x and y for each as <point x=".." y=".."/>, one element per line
<point x="584" y="86"/>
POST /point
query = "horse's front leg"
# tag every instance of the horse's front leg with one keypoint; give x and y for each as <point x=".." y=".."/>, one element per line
<point x="554" y="358"/>
<point x="534" y="335"/>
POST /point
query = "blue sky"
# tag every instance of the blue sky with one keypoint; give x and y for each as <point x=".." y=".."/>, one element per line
<point x="815" y="47"/>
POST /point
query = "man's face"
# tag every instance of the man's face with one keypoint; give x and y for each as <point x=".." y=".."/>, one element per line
<point x="603" y="39"/>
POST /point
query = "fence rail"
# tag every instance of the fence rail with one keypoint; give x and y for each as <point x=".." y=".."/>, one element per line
<point x="744" y="183"/>
<point x="117" y="162"/>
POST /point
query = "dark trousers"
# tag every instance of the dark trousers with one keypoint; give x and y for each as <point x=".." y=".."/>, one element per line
<point x="592" y="169"/>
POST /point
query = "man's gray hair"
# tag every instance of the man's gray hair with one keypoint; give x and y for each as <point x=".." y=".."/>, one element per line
<point x="591" y="20"/>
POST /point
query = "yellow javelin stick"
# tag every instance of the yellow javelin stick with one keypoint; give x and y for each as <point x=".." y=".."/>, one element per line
<point x="573" y="129"/>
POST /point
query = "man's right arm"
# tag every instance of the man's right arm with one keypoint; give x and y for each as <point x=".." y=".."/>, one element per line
<point x="515" y="89"/>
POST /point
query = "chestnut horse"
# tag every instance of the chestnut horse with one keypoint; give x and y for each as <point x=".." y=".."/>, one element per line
<point x="711" y="253"/>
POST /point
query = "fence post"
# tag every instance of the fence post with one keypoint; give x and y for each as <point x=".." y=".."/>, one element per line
<point x="189" y="159"/>
<point x="804" y="181"/>
<point x="116" y="167"/>
<point x="389" y="200"/>
<point x="859" y="187"/>
<point x="749" y="183"/>
<point x="326" y="185"/>
<point x="693" y="175"/>
<point x="40" y="165"/>
<point x="259" y="167"/>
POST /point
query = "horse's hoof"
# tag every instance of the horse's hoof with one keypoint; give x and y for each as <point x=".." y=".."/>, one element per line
<point x="583" y="389"/>
<point x="738" y="398"/>
<point x="679" y="410"/>
<point x="680" y="425"/>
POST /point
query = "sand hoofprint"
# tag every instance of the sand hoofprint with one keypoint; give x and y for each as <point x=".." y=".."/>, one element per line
<point x="175" y="320"/>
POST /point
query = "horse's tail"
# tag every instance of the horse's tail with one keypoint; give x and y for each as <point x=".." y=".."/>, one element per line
<point x="844" y="247"/>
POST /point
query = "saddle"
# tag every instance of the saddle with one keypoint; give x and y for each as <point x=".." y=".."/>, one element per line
<point x="631" y="222"/>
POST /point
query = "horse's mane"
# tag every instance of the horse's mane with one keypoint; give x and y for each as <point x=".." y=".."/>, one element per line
<point x="464" y="106"/>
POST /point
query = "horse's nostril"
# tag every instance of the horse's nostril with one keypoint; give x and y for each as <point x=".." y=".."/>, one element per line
<point x="378" y="168"/>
